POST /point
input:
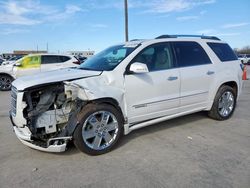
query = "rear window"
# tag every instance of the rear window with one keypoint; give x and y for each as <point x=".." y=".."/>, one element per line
<point x="223" y="51"/>
<point x="64" y="58"/>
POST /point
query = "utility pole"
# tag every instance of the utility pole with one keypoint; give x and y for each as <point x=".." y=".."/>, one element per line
<point x="126" y="19"/>
<point x="47" y="46"/>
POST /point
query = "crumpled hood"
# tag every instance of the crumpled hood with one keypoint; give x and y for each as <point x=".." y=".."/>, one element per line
<point x="51" y="77"/>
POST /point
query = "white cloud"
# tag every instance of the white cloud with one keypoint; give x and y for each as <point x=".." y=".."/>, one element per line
<point x="71" y="9"/>
<point x="214" y="32"/>
<point x="9" y="31"/>
<point x="31" y="12"/>
<point x="17" y="20"/>
<point x="152" y="6"/>
<point x="166" y="6"/>
<point x="187" y="18"/>
<point x="226" y="26"/>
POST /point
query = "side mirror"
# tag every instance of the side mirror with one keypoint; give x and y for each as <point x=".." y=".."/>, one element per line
<point x="138" y="68"/>
<point x="18" y="64"/>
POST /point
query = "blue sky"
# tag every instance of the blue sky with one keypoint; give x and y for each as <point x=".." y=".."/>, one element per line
<point x="95" y="24"/>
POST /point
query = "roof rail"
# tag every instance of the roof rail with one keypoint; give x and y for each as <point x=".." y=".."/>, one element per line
<point x="192" y="36"/>
<point x="136" y="40"/>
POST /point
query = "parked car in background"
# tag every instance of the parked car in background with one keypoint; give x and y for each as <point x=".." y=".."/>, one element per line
<point x="123" y="88"/>
<point x="12" y="60"/>
<point x="33" y="64"/>
<point x="1" y="61"/>
<point x="244" y="58"/>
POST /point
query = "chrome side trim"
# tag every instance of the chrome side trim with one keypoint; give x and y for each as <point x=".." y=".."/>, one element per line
<point x="146" y="104"/>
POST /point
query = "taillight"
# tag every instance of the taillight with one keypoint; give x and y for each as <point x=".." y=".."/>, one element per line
<point x="77" y="62"/>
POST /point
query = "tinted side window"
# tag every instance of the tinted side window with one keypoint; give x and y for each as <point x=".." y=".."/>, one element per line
<point x="49" y="59"/>
<point x="156" y="57"/>
<point x="190" y="54"/>
<point x="223" y="51"/>
<point x="64" y="58"/>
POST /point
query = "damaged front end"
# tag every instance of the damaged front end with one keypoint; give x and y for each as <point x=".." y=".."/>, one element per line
<point x="48" y="115"/>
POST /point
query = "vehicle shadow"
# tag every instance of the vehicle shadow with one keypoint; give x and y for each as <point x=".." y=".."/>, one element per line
<point x="180" y="121"/>
<point x="176" y="122"/>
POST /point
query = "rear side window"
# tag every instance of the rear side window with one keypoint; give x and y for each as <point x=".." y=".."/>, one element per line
<point x="50" y="59"/>
<point x="190" y="54"/>
<point x="223" y="51"/>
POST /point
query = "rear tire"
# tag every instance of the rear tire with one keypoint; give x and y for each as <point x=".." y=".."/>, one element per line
<point x="224" y="104"/>
<point x="99" y="130"/>
<point x="5" y="82"/>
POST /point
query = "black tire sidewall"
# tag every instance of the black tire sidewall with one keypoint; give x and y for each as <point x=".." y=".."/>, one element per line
<point x="221" y="91"/>
<point x="83" y="115"/>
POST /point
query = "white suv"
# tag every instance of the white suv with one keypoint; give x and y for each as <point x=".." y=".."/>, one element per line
<point x="123" y="88"/>
<point x="33" y="64"/>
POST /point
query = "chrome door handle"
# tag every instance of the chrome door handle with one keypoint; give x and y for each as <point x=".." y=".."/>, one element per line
<point x="171" y="78"/>
<point x="210" y="72"/>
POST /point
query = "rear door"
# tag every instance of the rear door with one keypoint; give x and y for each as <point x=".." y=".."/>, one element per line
<point x="197" y="73"/>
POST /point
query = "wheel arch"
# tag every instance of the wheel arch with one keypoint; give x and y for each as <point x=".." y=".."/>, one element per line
<point x="231" y="83"/>
<point x="6" y="74"/>
<point x="110" y="101"/>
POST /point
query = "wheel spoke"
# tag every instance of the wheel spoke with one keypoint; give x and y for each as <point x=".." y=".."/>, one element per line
<point x="112" y="126"/>
<point x="93" y="121"/>
<point x="105" y="118"/>
<point x="107" y="137"/>
<point x="220" y="104"/>
<point x="228" y="96"/>
<point x="97" y="142"/>
<point x="89" y="134"/>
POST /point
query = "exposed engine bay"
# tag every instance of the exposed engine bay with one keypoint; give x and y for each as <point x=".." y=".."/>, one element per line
<point x="51" y="113"/>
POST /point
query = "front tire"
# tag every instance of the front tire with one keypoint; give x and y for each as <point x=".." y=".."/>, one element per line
<point x="5" y="82"/>
<point x="224" y="103"/>
<point x="99" y="130"/>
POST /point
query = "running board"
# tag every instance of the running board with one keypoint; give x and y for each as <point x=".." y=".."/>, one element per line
<point x="128" y="127"/>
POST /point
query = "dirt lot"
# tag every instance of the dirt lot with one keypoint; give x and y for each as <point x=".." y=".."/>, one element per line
<point x="191" y="151"/>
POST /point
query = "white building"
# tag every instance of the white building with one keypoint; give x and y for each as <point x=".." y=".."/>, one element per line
<point x="82" y="53"/>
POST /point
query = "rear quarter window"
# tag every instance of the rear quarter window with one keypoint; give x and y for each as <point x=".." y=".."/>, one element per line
<point x="64" y="58"/>
<point x="223" y="51"/>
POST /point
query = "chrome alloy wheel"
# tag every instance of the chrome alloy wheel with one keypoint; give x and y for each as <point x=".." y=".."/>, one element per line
<point x="5" y="83"/>
<point x="226" y="104"/>
<point x="100" y="130"/>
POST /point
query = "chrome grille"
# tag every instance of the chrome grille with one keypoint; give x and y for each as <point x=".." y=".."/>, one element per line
<point x="13" y="100"/>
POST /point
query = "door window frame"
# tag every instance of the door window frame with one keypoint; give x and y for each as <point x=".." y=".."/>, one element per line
<point x="175" y="65"/>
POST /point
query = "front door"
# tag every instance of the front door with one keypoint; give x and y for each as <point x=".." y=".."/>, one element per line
<point x="156" y="93"/>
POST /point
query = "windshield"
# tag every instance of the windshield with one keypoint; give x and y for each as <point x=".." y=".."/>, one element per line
<point x="107" y="59"/>
<point x="15" y="58"/>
